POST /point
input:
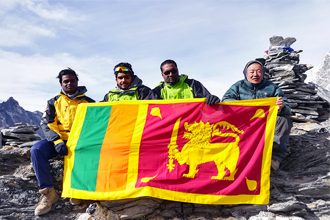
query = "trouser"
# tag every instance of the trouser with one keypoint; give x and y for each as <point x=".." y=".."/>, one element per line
<point x="41" y="152"/>
<point x="281" y="137"/>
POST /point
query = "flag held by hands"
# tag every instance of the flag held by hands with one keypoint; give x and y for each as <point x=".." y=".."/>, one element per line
<point x="180" y="150"/>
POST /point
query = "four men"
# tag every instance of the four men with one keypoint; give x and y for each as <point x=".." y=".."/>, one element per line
<point x="60" y="112"/>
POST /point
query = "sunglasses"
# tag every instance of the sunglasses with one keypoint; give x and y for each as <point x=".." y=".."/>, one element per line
<point x="173" y="71"/>
<point x="122" y="69"/>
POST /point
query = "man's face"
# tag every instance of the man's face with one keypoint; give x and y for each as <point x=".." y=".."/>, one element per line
<point x="254" y="73"/>
<point x="69" y="84"/>
<point x="170" y="73"/>
<point x="124" y="80"/>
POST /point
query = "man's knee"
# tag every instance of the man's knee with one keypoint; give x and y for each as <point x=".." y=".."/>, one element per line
<point x="283" y="125"/>
<point x="42" y="147"/>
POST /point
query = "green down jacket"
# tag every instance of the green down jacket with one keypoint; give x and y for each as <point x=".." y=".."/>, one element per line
<point x="244" y="90"/>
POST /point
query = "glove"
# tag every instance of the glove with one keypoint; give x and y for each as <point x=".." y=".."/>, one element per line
<point x="211" y="99"/>
<point x="61" y="149"/>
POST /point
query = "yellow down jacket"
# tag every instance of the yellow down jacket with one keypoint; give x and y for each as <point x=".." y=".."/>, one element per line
<point x="58" y="117"/>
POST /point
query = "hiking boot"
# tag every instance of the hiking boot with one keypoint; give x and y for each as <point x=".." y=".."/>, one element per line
<point x="275" y="164"/>
<point x="47" y="199"/>
<point x="74" y="201"/>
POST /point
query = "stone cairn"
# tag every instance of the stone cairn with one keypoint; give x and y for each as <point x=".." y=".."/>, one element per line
<point x="283" y="69"/>
<point x="22" y="135"/>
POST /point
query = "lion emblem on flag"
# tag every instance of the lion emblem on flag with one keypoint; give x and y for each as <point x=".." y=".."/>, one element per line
<point x="199" y="150"/>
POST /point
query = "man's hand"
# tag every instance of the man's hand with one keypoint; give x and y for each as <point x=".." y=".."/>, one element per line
<point x="211" y="99"/>
<point x="280" y="103"/>
<point x="61" y="149"/>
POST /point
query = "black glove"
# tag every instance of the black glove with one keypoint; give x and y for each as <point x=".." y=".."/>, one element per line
<point x="211" y="99"/>
<point x="61" y="149"/>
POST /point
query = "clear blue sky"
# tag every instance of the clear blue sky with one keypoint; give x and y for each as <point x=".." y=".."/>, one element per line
<point x="211" y="40"/>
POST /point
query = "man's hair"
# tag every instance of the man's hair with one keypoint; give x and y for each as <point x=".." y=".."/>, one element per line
<point x="66" y="72"/>
<point x="127" y="65"/>
<point x="167" y="62"/>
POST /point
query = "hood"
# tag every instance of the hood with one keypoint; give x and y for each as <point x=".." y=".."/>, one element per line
<point x="250" y="63"/>
<point x="80" y="91"/>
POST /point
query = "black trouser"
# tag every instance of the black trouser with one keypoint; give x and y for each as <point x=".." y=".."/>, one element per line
<point x="281" y="137"/>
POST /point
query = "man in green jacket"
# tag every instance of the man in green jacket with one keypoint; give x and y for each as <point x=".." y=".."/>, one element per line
<point x="177" y="86"/>
<point x="255" y="86"/>
<point x="129" y="86"/>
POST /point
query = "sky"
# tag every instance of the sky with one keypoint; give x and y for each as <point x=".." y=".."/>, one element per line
<point x="210" y="40"/>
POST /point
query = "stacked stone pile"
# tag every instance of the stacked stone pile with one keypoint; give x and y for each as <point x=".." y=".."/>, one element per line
<point x="22" y="135"/>
<point x="283" y="69"/>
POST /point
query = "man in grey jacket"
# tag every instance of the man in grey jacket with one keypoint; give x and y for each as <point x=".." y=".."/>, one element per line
<point x="255" y="86"/>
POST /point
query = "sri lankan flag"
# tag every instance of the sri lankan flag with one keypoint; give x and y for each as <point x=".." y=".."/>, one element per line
<point x="181" y="150"/>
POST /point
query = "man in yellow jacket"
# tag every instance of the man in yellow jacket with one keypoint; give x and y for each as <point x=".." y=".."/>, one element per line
<point x="56" y="123"/>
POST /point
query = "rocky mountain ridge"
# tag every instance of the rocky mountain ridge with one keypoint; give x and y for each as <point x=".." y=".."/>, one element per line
<point x="320" y="76"/>
<point x="11" y="112"/>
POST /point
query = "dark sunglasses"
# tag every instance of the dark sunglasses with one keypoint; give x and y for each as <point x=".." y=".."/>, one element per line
<point x="173" y="71"/>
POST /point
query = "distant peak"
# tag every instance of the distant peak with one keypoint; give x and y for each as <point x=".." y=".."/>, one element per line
<point x="12" y="101"/>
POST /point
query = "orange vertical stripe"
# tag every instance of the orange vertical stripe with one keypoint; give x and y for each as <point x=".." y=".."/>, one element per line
<point x="113" y="164"/>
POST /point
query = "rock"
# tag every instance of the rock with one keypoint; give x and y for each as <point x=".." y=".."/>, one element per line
<point x="306" y="90"/>
<point x="24" y="130"/>
<point x="97" y="211"/>
<point x="287" y="207"/>
<point x="85" y="216"/>
<point x="280" y="41"/>
<point x="307" y="108"/>
<point x="288" y="86"/>
<point x="307" y="112"/>
<point x="285" y="75"/>
<point x="305" y="101"/>
<point x="28" y="144"/>
<point x="297" y="92"/>
<point x="292" y="105"/>
<point x="23" y="135"/>
<point x="301" y="97"/>
<point x="288" y="91"/>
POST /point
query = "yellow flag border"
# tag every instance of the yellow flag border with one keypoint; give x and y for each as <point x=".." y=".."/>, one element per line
<point x="132" y="192"/>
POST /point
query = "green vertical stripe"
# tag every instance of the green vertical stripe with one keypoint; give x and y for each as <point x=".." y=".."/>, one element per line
<point x="87" y="151"/>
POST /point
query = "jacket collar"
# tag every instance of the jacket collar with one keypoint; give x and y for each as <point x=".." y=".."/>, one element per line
<point x="181" y="79"/>
<point x="131" y="89"/>
<point x="81" y="90"/>
<point x="257" y="86"/>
